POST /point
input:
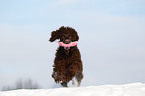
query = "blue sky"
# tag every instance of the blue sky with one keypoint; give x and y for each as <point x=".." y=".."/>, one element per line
<point x="112" y="36"/>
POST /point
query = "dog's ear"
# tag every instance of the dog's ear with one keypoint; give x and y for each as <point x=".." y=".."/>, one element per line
<point x="54" y="35"/>
<point x="73" y="33"/>
<point x="76" y="37"/>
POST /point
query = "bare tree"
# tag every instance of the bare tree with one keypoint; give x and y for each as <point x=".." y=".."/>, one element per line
<point x="20" y="84"/>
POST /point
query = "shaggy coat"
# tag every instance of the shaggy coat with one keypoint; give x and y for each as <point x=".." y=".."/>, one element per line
<point x="67" y="63"/>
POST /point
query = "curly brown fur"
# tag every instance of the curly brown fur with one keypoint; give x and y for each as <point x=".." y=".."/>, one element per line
<point x="67" y="63"/>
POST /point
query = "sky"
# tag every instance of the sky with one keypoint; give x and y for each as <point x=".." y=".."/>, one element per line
<point x="112" y="36"/>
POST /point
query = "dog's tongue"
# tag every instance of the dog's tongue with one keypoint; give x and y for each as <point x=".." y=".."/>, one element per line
<point x="68" y="45"/>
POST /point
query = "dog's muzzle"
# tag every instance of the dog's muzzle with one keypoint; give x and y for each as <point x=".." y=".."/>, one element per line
<point x="67" y="41"/>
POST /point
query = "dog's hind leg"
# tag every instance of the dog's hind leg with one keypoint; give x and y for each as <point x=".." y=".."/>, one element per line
<point x="79" y="76"/>
<point x="73" y="82"/>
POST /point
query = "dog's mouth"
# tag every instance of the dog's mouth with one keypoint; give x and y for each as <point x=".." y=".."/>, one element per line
<point x="67" y="41"/>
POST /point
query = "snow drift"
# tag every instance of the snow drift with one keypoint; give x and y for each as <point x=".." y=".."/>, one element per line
<point x="136" y="89"/>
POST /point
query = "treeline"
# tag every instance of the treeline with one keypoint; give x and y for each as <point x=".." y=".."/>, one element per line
<point x="22" y="84"/>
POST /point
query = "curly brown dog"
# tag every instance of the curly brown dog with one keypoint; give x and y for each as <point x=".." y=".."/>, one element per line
<point x="67" y="63"/>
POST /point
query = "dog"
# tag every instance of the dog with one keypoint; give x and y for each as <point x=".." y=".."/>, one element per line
<point x="67" y="63"/>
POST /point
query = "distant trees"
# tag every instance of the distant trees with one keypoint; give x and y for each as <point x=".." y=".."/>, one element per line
<point x="20" y="84"/>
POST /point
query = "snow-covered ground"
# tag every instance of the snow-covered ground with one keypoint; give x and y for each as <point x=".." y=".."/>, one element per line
<point x="136" y="89"/>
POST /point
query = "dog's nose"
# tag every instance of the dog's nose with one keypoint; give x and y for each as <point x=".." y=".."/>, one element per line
<point x="67" y="41"/>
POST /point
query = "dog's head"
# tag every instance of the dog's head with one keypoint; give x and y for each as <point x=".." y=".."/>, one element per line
<point x="65" y="35"/>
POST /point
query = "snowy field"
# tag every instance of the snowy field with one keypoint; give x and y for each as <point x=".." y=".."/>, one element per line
<point x="136" y="89"/>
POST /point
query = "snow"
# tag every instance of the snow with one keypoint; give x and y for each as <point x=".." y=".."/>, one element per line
<point x="135" y="89"/>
